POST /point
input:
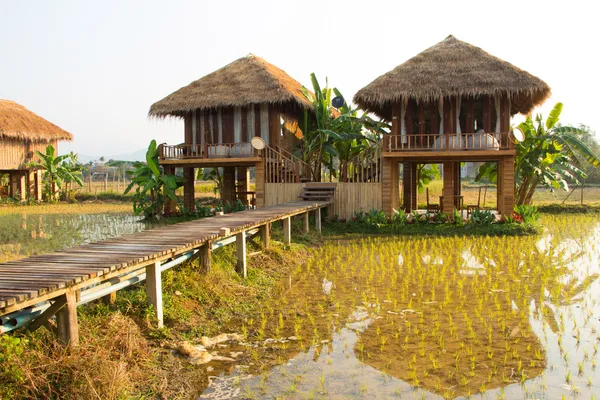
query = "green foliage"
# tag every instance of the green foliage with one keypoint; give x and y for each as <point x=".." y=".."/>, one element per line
<point x="426" y="173"/>
<point x="11" y="375"/>
<point x="152" y="185"/>
<point x="529" y="214"/>
<point x="550" y="155"/>
<point x="237" y="206"/>
<point x="329" y="137"/>
<point x="58" y="170"/>
<point x="483" y="217"/>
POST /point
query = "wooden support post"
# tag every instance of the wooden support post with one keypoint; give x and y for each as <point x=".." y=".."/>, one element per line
<point x="508" y="186"/>
<point x="169" y="205"/>
<point x="240" y="244"/>
<point x="66" y="320"/>
<point x="407" y="181"/>
<point x="500" y="186"/>
<point x="259" y="179"/>
<point x="43" y="318"/>
<point x="389" y="185"/>
<point x="31" y="184"/>
<point x="243" y="178"/>
<point x="228" y="185"/>
<point x="189" y="197"/>
<point x="413" y="186"/>
<point x="205" y="257"/>
<point x="287" y="230"/>
<point x="154" y="290"/>
<point x="38" y="185"/>
<point x="448" y="189"/>
<point x="110" y="298"/>
<point x="318" y="220"/>
<point x="305" y="226"/>
<point x="265" y="236"/>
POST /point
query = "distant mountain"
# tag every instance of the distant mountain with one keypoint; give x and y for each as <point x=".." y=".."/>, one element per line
<point x="138" y="155"/>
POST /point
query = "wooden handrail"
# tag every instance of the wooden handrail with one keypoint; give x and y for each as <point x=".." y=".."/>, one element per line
<point x="448" y="142"/>
<point x="207" y="150"/>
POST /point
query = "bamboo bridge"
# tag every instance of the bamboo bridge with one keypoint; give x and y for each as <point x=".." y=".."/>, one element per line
<point x="35" y="289"/>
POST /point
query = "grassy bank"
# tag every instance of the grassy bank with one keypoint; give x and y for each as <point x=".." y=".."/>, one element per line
<point x="122" y="356"/>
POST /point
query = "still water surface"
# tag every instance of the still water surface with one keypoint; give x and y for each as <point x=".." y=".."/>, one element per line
<point x="430" y="318"/>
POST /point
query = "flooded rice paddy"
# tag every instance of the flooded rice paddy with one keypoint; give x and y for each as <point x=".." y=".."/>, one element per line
<point x="36" y="230"/>
<point x="429" y="318"/>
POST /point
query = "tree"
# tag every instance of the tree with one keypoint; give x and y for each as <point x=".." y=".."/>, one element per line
<point x="549" y="155"/>
<point x="332" y="135"/>
<point x="152" y="185"/>
<point x="57" y="170"/>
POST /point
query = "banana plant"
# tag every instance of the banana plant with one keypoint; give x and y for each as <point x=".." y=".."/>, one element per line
<point x="332" y="134"/>
<point x="550" y="155"/>
<point x="58" y="170"/>
<point x="152" y="185"/>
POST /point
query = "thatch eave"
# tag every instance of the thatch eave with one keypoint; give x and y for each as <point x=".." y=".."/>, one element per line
<point x="19" y="123"/>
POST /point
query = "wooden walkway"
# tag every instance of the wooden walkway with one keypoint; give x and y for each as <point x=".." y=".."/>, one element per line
<point x="26" y="282"/>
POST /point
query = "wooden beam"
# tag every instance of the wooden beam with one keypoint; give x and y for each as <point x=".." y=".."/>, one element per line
<point x="448" y="190"/>
<point x="407" y="186"/>
<point x="240" y="244"/>
<point x="259" y="179"/>
<point x="287" y="230"/>
<point x="318" y="220"/>
<point x="66" y="320"/>
<point x="189" y="196"/>
<point x="58" y="304"/>
<point x="265" y="236"/>
<point x="228" y="185"/>
<point x="154" y="290"/>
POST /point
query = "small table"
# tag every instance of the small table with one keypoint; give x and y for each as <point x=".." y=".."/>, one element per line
<point x="458" y="202"/>
<point x="243" y="194"/>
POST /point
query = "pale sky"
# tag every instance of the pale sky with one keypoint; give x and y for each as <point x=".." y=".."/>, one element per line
<point x="95" y="67"/>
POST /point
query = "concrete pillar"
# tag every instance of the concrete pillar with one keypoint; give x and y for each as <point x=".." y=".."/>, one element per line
<point x="228" y="185"/>
<point x="318" y="220"/>
<point x="448" y="189"/>
<point x="66" y="321"/>
<point x="389" y="185"/>
<point x="189" y="197"/>
<point x="154" y="290"/>
<point x="265" y="235"/>
<point x="240" y="244"/>
<point x="287" y="230"/>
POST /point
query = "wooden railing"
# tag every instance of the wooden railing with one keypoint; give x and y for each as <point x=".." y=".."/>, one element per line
<point x="281" y="166"/>
<point x="448" y="142"/>
<point x="364" y="168"/>
<point x="220" y="150"/>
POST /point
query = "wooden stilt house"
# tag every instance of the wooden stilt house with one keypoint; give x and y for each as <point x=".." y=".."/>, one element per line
<point x="451" y="103"/>
<point x="223" y="112"/>
<point x="22" y="132"/>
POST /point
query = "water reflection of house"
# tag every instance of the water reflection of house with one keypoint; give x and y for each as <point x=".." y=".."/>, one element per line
<point x="451" y="103"/>
<point x="23" y="132"/>
<point x="223" y="112"/>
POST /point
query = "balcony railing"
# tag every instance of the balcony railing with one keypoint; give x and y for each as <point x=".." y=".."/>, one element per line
<point x="448" y="142"/>
<point x="220" y="150"/>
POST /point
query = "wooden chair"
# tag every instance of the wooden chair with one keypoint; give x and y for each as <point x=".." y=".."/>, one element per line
<point x="431" y="207"/>
<point x="473" y="207"/>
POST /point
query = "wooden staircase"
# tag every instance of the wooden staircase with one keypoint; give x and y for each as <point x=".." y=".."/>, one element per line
<point x="281" y="166"/>
<point x="318" y="191"/>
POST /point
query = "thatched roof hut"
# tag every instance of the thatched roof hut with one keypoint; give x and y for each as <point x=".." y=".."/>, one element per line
<point x="452" y="68"/>
<point x="247" y="81"/>
<point x="17" y="122"/>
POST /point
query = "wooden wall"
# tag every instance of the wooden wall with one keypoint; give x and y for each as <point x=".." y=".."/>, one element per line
<point x="234" y="125"/>
<point x="349" y="197"/>
<point x="13" y="153"/>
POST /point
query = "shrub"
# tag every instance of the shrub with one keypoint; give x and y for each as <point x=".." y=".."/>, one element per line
<point x="527" y="213"/>
<point x="484" y="217"/>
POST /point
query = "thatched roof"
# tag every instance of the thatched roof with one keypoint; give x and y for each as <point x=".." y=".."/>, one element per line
<point x="246" y="81"/>
<point x="17" y="122"/>
<point x="452" y="68"/>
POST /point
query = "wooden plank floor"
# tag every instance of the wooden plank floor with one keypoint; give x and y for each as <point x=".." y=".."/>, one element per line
<point x="42" y="277"/>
